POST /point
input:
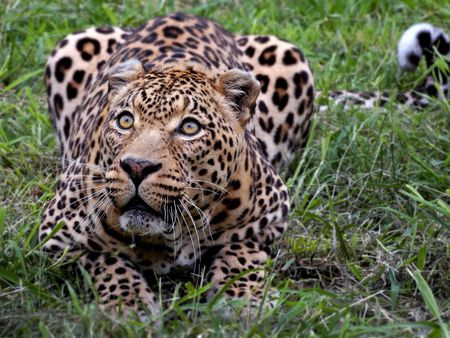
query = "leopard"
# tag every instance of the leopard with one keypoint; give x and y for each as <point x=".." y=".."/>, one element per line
<point x="173" y="138"/>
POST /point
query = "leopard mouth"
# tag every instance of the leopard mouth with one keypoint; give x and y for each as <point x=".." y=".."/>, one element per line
<point x="138" y="218"/>
<point x="137" y="203"/>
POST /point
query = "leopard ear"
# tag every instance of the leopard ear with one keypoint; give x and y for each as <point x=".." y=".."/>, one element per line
<point x="122" y="74"/>
<point x="241" y="90"/>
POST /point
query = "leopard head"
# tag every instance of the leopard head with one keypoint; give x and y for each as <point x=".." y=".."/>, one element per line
<point x="174" y="138"/>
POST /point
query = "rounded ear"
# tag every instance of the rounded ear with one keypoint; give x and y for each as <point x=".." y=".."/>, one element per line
<point x="122" y="74"/>
<point x="241" y="90"/>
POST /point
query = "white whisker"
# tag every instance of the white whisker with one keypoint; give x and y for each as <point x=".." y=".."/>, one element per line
<point x="205" y="221"/>
<point x="190" y="235"/>
<point x="210" y="183"/>
<point x="193" y="223"/>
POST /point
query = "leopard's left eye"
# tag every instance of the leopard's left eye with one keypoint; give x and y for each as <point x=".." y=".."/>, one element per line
<point x="189" y="127"/>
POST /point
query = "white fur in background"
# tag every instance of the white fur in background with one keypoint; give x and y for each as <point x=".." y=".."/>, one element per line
<point x="409" y="43"/>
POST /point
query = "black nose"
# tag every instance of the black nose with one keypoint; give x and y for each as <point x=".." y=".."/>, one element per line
<point x="138" y="169"/>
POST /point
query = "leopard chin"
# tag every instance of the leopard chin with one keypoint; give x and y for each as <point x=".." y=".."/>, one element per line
<point x="142" y="223"/>
<point x="137" y="218"/>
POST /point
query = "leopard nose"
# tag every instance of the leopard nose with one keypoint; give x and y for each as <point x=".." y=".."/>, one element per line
<point x="138" y="169"/>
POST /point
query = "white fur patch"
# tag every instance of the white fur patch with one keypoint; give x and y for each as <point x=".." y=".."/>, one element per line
<point x="409" y="43"/>
<point x="139" y="222"/>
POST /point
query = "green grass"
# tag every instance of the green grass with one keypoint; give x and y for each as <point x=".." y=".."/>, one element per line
<point x="368" y="250"/>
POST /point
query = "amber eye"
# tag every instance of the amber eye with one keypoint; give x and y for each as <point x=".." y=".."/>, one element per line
<point x="125" y="120"/>
<point x="189" y="127"/>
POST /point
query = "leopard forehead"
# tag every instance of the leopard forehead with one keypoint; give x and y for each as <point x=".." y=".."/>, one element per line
<point x="165" y="92"/>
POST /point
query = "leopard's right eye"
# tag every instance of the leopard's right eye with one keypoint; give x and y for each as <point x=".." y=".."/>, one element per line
<point x="125" y="120"/>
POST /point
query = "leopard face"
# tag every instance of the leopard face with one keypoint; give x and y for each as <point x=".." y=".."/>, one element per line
<point x="174" y="139"/>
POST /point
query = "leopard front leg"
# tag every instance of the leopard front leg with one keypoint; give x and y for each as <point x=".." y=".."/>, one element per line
<point x="232" y="260"/>
<point x="75" y="211"/>
<point x="121" y="287"/>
